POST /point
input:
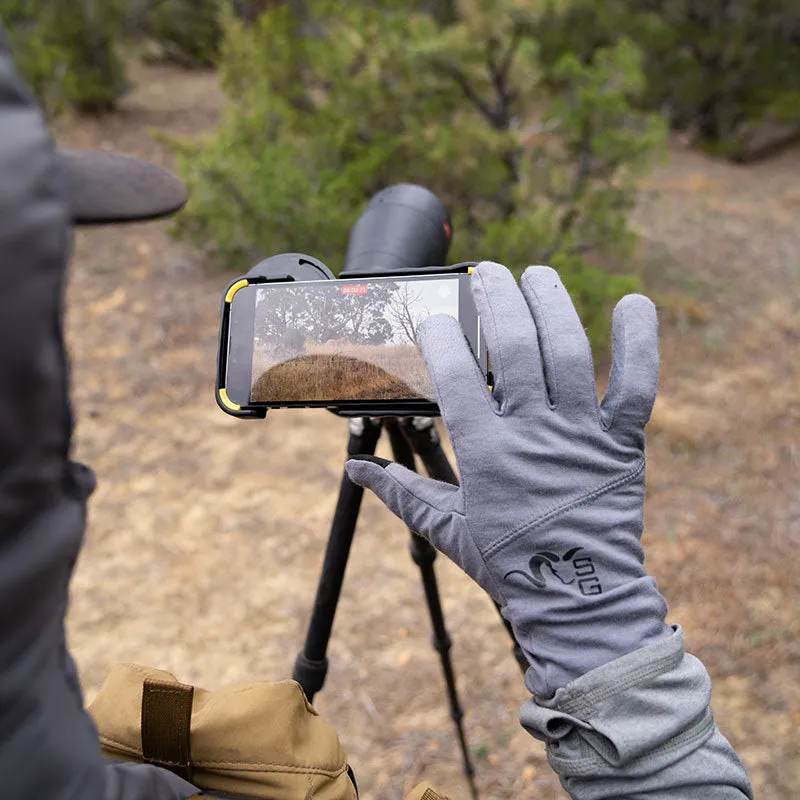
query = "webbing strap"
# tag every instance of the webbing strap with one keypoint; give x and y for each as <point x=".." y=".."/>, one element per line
<point x="166" y="719"/>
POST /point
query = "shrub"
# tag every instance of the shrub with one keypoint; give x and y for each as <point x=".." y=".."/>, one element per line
<point x="716" y="68"/>
<point x="39" y="62"/>
<point x="88" y="32"/>
<point x="67" y="50"/>
<point x="188" y="32"/>
<point x="536" y="160"/>
<point x="726" y="64"/>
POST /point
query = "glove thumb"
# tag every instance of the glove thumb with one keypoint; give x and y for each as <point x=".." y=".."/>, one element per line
<point x="423" y="504"/>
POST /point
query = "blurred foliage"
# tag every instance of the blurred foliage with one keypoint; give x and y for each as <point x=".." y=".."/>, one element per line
<point x="531" y="119"/>
<point x="188" y="32"/>
<point x="250" y="10"/>
<point x="536" y="161"/>
<point x="715" y="68"/>
<point x="88" y="33"/>
<point x="38" y="60"/>
<point x="68" y="51"/>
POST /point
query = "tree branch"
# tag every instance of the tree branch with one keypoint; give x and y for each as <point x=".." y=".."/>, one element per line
<point x="458" y="76"/>
<point x="499" y="77"/>
<point x="583" y="170"/>
<point x="503" y="113"/>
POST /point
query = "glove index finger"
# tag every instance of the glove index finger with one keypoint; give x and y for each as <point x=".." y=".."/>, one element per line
<point x="423" y="504"/>
<point x="460" y="385"/>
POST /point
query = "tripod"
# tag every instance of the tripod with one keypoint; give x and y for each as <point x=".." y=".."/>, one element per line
<point x="406" y="436"/>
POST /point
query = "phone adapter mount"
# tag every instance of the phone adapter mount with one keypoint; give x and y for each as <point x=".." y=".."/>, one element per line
<point x="289" y="267"/>
<point x="276" y="269"/>
<point x="299" y="267"/>
<point x="404" y="229"/>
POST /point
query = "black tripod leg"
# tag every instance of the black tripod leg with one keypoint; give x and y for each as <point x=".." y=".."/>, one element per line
<point x="421" y="432"/>
<point x="311" y="665"/>
<point x="424" y="555"/>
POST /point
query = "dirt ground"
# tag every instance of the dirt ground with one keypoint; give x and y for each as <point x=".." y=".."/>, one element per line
<point x="207" y="533"/>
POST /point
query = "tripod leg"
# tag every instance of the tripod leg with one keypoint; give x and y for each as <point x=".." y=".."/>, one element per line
<point x="311" y="665"/>
<point x="421" y="433"/>
<point x="424" y="555"/>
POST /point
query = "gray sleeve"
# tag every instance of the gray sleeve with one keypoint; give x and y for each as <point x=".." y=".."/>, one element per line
<point x="639" y="727"/>
<point x="48" y="744"/>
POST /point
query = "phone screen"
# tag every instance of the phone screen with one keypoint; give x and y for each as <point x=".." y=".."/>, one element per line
<point x="329" y="342"/>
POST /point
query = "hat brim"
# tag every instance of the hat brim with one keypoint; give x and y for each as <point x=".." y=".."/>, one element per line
<point x="104" y="188"/>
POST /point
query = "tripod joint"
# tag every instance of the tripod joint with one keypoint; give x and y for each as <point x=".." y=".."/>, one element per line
<point x="310" y="674"/>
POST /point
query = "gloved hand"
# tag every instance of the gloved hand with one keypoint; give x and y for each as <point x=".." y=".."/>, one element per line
<point x="548" y="515"/>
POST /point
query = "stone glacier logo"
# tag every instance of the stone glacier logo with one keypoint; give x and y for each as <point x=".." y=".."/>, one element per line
<point x="569" y="569"/>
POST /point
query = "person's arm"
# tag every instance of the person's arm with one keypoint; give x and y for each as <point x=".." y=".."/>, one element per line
<point x="548" y="520"/>
<point x="48" y="745"/>
<point x="639" y="726"/>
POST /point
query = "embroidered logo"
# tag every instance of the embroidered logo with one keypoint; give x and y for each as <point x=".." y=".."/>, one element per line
<point x="569" y="569"/>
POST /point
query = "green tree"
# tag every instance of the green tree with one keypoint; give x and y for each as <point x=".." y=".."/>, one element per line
<point x="88" y="33"/>
<point x="38" y="60"/>
<point x="330" y="102"/>
<point x="187" y="31"/>
<point x="715" y="67"/>
<point x="68" y="51"/>
<point x="726" y="63"/>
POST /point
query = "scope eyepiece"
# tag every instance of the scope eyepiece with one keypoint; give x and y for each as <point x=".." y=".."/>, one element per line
<point x="403" y="227"/>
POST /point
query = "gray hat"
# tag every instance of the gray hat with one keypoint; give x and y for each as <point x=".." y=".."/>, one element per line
<point x="106" y="187"/>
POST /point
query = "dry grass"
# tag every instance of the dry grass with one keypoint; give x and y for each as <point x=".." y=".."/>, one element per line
<point x="207" y="533"/>
<point x="363" y="373"/>
<point x="326" y="378"/>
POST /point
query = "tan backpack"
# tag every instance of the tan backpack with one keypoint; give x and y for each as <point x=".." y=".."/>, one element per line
<point x="263" y="741"/>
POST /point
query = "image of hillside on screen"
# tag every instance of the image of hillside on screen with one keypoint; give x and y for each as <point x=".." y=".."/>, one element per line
<point x="337" y="341"/>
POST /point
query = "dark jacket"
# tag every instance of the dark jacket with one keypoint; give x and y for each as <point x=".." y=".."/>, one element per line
<point x="48" y="745"/>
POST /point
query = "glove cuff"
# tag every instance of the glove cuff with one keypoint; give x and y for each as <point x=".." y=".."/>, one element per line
<point x="565" y="641"/>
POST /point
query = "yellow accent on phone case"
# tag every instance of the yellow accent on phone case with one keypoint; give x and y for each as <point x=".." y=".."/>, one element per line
<point x="235" y="288"/>
<point x="226" y="401"/>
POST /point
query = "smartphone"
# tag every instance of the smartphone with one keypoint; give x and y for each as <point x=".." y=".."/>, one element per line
<point x="347" y="344"/>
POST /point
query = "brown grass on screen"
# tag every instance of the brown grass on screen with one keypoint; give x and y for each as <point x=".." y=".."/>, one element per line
<point x="320" y="376"/>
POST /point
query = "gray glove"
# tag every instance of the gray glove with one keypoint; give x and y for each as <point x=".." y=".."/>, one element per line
<point x="549" y="512"/>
